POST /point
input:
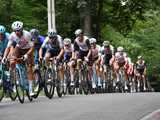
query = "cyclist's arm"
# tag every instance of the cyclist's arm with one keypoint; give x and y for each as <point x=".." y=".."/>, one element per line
<point x="88" y="44"/>
<point x="43" y="46"/>
<point x="30" y="50"/>
<point x="76" y="47"/>
<point x="89" y="54"/>
<point x="61" y="53"/>
<point x="40" y="52"/>
<point x="8" y="48"/>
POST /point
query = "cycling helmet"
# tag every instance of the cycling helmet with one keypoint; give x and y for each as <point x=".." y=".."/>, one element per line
<point x="78" y="32"/>
<point x="106" y="43"/>
<point x="67" y="41"/>
<point x="139" y="57"/>
<point x="2" y="29"/>
<point x="17" y="25"/>
<point x="92" y="40"/>
<point x="34" y="33"/>
<point x="120" y="49"/>
<point x="52" y="33"/>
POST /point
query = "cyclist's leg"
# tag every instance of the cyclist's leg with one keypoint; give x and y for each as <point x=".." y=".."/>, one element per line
<point x="30" y="71"/>
<point x="116" y="70"/>
<point x="47" y="57"/>
<point x="72" y="64"/>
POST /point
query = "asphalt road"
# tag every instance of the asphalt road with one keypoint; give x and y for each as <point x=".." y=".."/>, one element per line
<point x="118" y="106"/>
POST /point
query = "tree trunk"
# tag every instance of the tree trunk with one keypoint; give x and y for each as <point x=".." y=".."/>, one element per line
<point x="98" y="25"/>
<point x="87" y="18"/>
<point x="87" y="25"/>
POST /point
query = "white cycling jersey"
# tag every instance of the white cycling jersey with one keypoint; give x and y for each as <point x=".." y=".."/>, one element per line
<point x="82" y="45"/>
<point x="120" y="57"/>
<point x="23" y="42"/>
<point x="58" y="43"/>
<point x="69" y="49"/>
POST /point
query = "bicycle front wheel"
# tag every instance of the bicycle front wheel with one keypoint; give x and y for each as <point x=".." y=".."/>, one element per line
<point x="49" y="83"/>
<point x="19" y="87"/>
<point x="12" y="92"/>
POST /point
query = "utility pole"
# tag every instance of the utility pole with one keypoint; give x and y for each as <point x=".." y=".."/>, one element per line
<point x="51" y="15"/>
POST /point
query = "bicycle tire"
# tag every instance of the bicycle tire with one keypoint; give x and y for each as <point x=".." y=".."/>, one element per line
<point x="1" y="91"/>
<point x="37" y="83"/>
<point x="12" y="93"/>
<point x="49" y="83"/>
<point x="19" y="87"/>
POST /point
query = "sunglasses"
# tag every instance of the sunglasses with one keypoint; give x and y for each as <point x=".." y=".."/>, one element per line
<point x="52" y="38"/>
<point x="17" y="30"/>
<point x="66" y="45"/>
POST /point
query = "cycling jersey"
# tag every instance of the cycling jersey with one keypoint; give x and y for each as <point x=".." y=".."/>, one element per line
<point x="55" y="44"/>
<point x="95" y="52"/>
<point x="81" y="46"/>
<point x="120" y="57"/>
<point x="3" y="43"/>
<point x="24" y="42"/>
<point x="68" y="52"/>
<point x="38" y="42"/>
<point x="140" y="66"/>
<point x="107" y="53"/>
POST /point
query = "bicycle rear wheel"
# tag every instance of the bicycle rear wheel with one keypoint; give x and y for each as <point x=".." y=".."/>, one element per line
<point x="19" y="87"/>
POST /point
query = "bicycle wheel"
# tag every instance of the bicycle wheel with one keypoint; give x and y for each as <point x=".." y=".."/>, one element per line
<point x="66" y="81"/>
<point x="28" y="95"/>
<point x="12" y="92"/>
<point x="49" y="83"/>
<point x="1" y="87"/>
<point x="37" y="84"/>
<point x="59" y="86"/>
<point x="19" y="87"/>
<point x="85" y="83"/>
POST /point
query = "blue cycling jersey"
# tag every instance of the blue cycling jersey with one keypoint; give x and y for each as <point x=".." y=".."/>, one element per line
<point x="38" y="42"/>
<point x="3" y="43"/>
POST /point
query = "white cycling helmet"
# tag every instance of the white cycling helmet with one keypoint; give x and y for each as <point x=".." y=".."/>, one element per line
<point x="92" y="40"/>
<point x="67" y="41"/>
<point x="52" y="33"/>
<point x="120" y="49"/>
<point x="2" y="29"/>
<point x="139" y="57"/>
<point x="106" y="43"/>
<point x="17" y="25"/>
<point x="78" y="32"/>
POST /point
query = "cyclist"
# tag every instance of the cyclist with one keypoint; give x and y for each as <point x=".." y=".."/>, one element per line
<point x="118" y="61"/>
<point x="19" y="45"/>
<point x="92" y="59"/>
<point x="4" y="36"/>
<point x="107" y="52"/>
<point x="54" y="48"/>
<point x="68" y="54"/>
<point x="140" y="69"/>
<point x="38" y="40"/>
<point x="81" y="44"/>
